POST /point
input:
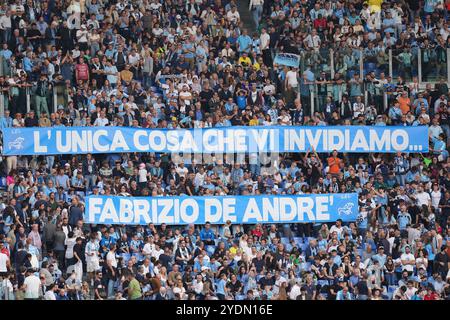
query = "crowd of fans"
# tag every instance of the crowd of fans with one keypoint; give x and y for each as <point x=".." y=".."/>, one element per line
<point x="193" y="64"/>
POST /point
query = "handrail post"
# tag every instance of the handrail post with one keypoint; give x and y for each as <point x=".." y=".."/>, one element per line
<point x="419" y="66"/>
<point x="2" y="104"/>
<point x="390" y="63"/>
<point x="332" y="62"/>
<point x="27" y="90"/>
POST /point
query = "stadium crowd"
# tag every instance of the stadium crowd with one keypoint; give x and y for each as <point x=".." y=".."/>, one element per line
<point x="192" y="64"/>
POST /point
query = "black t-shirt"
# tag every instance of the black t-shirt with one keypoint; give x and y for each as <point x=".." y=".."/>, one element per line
<point x="336" y="288"/>
<point x="122" y="246"/>
<point x="117" y="172"/>
<point x="264" y="281"/>
<point x="274" y="37"/>
<point x="33" y="33"/>
<point x="20" y="280"/>
<point x="234" y="287"/>
<point x="259" y="264"/>
<point x="100" y="288"/>
<point x="310" y="291"/>
<point x="322" y="88"/>
<point x="165" y="259"/>
<point x="190" y="185"/>
<point x="225" y="95"/>
<point x="353" y="180"/>
<point x="31" y="122"/>
<point x="205" y="97"/>
<point x="78" y="249"/>
<point x="362" y="288"/>
<point x="21" y="256"/>
<point x="446" y="210"/>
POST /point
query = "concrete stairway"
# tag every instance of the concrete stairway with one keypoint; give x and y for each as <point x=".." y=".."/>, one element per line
<point x="246" y="15"/>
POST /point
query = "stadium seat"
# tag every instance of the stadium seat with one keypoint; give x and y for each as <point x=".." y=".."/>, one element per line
<point x="322" y="282"/>
<point x="304" y="246"/>
<point x="308" y="266"/>
<point x="298" y="240"/>
<point x="285" y="240"/>
<point x="392" y="289"/>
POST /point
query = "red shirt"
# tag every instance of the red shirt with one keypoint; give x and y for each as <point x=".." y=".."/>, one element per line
<point x="82" y="71"/>
<point x="5" y="251"/>
<point x="257" y="233"/>
<point x="320" y="23"/>
<point x="431" y="296"/>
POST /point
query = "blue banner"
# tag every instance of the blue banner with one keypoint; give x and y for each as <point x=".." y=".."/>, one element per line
<point x="219" y="209"/>
<point x="287" y="59"/>
<point x="82" y="140"/>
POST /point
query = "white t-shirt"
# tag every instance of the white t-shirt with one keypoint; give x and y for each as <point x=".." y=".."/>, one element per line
<point x="265" y="40"/>
<point x="133" y="59"/>
<point x="50" y="295"/>
<point x="338" y="230"/>
<point x="423" y="198"/>
<point x="291" y="77"/>
<point x="198" y="287"/>
<point x="295" y="291"/>
<point x="408" y="257"/>
<point x="278" y="284"/>
<point x="142" y="175"/>
<point x="148" y="249"/>
<point x="184" y="95"/>
<point x="111" y="257"/>
<point x="435" y="198"/>
<point x="157" y="253"/>
<point x="410" y="292"/>
<point x="181" y="291"/>
<point x="82" y="36"/>
<point x="313" y="41"/>
<point x="33" y="284"/>
<point x="358" y="108"/>
<point x="3" y="260"/>
<point x="182" y="171"/>
<point x="70" y="243"/>
<point x="233" y="16"/>
<point x="101" y="122"/>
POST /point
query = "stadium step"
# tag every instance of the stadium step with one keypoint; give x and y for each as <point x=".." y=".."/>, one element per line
<point x="246" y="15"/>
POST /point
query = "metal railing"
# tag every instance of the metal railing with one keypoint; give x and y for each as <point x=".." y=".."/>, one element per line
<point x="428" y="66"/>
<point x="409" y="64"/>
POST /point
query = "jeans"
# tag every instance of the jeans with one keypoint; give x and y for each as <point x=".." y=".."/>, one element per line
<point x="41" y="105"/>
<point x="111" y="283"/>
<point x="391" y="278"/>
<point x="95" y="47"/>
<point x="90" y="181"/>
<point x="255" y="169"/>
<point x="147" y="82"/>
<point x="446" y="129"/>
<point x="401" y="179"/>
<point x="257" y="13"/>
<point x="6" y="35"/>
<point x="50" y="161"/>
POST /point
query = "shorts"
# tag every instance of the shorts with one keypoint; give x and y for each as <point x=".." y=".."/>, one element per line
<point x="92" y="265"/>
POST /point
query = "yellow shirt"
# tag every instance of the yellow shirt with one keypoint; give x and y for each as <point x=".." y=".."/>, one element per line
<point x="375" y="5"/>
<point x="253" y="122"/>
<point x="245" y="61"/>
